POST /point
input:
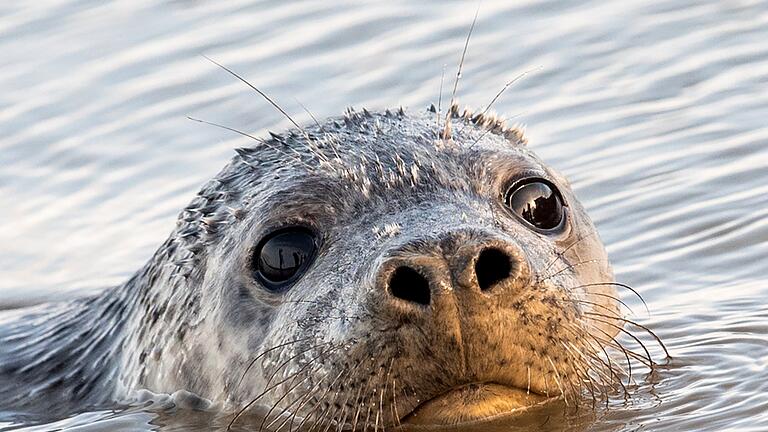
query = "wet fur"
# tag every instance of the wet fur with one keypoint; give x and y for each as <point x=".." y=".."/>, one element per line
<point x="375" y="187"/>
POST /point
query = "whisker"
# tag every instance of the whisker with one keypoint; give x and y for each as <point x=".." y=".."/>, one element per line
<point x="488" y="130"/>
<point x="583" y="375"/>
<point x="282" y="365"/>
<point x="590" y="303"/>
<point x="359" y="405"/>
<point x="506" y="86"/>
<point x="572" y="266"/>
<point x="345" y="405"/>
<point x="610" y="341"/>
<point x="257" y="90"/>
<point x="560" y="255"/>
<point x="296" y="156"/>
<point x="320" y="127"/>
<point x="334" y="401"/>
<point x="637" y="356"/>
<point x="614" y="298"/>
<point x="312" y="116"/>
<point x="329" y="419"/>
<point x="447" y="130"/>
<point x="621" y="285"/>
<point x="612" y="366"/>
<point x="301" y="400"/>
<point x="309" y="142"/>
<point x="380" y="413"/>
<point x="367" y="417"/>
<point x="267" y="390"/>
<point x="609" y="365"/>
<point x="343" y="313"/>
<point x="344" y="412"/>
<point x="605" y="382"/>
<point x="644" y="328"/>
<point x="263" y="353"/>
<point x="394" y="401"/>
<point x="528" y="389"/>
<point x="580" y="372"/>
<point x="393" y="407"/>
<point x="648" y="357"/>
<point x="439" y="112"/>
<point x="293" y="378"/>
<point x="624" y="351"/>
<point x="576" y="390"/>
<point x="309" y="395"/>
<point x="556" y="377"/>
<point x="621" y="348"/>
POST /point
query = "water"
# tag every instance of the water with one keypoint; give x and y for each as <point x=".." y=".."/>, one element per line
<point x="657" y="113"/>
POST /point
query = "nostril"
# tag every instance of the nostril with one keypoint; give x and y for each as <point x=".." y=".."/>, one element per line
<point x="409" y="285"/>
<point x="492" y="266"/>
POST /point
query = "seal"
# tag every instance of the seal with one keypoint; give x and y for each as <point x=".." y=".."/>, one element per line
<point x="378" y="269"/>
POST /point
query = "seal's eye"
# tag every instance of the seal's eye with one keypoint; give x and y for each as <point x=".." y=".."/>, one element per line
<point x="281" y="257"/>
<point x="537" y="202"/>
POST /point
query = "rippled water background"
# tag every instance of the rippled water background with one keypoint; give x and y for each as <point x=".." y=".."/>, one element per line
<point x="657" y="111"/>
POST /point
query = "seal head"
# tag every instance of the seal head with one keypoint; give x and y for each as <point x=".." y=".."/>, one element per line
<point x="369" y="272"/>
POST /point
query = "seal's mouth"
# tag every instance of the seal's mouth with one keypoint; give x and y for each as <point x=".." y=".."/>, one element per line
<point x="473" y="403"/>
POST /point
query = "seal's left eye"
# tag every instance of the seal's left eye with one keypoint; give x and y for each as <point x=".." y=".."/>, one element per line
<point x="537" y="202"/>
<point x="283" y="256"/>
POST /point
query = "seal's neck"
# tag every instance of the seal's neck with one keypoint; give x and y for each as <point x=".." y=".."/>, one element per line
<point x="60" y="357"/>
<point x="163" y="304"/>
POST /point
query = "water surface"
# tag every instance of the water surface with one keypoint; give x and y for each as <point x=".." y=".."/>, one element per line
<point x="656" y="111"/>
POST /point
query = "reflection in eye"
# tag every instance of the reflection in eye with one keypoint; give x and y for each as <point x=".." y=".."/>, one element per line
<point x="538" y="203"/>
<point x="282" y="256"/>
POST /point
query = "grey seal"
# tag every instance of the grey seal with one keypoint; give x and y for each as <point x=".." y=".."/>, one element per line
<point x="377" y="269"/>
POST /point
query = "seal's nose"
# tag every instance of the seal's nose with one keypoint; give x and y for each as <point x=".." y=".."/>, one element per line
<point x="492" y="266"/>
<point x="408" y="284"/>
<point x="476" y="267"/>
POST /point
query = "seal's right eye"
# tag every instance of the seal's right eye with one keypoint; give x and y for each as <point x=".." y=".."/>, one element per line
<point x="283" y="256"/>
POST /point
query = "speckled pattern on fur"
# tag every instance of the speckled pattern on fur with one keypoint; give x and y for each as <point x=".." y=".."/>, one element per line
<point x="376" y="187"/>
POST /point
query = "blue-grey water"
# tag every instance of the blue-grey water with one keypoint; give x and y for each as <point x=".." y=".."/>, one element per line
<point x="657" y="112"/>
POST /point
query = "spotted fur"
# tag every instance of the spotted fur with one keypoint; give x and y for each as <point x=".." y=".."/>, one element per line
<point x="334" y="350"/>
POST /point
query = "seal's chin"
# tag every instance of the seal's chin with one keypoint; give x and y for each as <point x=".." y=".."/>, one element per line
<point x="474" y="403"/>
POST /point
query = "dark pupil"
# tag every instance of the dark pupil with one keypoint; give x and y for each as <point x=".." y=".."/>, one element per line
<point x="283" y="255"/>
<point x="538" y="204"/>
